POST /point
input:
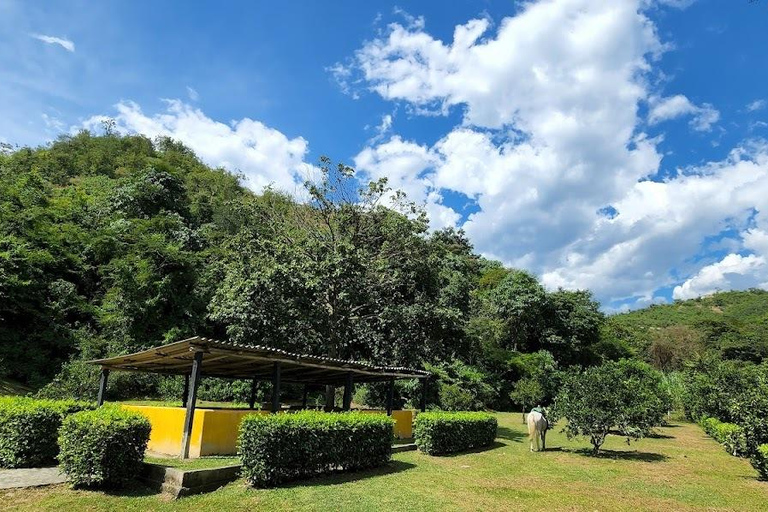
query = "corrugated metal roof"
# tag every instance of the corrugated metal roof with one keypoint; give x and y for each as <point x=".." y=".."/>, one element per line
<point x="238" y="360"/>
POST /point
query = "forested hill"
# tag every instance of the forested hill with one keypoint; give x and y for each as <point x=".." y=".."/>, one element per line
<point x="102" y="245"/>
<point x="111" y="244"/>
<point x="733" y="323"/>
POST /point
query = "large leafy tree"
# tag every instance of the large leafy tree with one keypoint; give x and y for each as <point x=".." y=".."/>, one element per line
<point x="573" y="327"/>
<point x="520" y="301"/>
<point x="343" y="275"/>
<point x="626" y="396"/>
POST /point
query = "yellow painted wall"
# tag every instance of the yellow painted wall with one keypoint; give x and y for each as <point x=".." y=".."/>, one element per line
<point x="403" y="422"/>
<point x="167" y="426"/>
<point x="220" y="430"/>
<point x="214" y="431"/>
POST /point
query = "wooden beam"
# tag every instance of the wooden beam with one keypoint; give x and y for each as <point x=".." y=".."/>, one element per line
<point x="347" y="403"/>
<point x="275" y="387"/>
<point x="189" y="418"/>
<point x="102" y="386"/>
<point x="185" y="396"/>
<point x="252" y="398"/>
<point x="390" y="396"/>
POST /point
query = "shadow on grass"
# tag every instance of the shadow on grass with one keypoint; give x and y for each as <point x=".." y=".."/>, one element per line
<point x="475" y="450"/>
<point x="395" y="466"/>
<point x="510" y="435"/>
<point x="621" y="455"/>
<point x="659" y="435"/>
<point x="134" y="489"/>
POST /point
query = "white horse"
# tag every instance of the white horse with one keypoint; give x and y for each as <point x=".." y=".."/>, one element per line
<point x="537" y="429"/>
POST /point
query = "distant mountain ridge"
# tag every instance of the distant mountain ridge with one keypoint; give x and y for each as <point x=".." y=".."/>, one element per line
<point x="734" y="323"/>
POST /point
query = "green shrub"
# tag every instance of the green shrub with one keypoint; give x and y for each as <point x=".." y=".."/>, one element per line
<point x="732" y="437"/>
<point x="448" y="432"/>
<point x="104" y="447"/>
<point x="282" y="447"/>
<point x="759" y="461"/>
<point x="625" y="396"/>
<point x="29" y="428"/>
<point x="709" y="425"/>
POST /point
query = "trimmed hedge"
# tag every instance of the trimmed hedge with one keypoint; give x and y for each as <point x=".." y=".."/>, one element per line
<point x="29" y="429"/>
<point x="104" y="447"/>
<point x="278" y="448"/>
<point x="709" y="425"/>
<point x="439" y="433"/>
<point x="730" y="435"/>
<point x="759" y="461"/>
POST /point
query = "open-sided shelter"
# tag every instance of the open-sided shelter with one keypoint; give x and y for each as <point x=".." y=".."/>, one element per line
<point x="199" y="357"/>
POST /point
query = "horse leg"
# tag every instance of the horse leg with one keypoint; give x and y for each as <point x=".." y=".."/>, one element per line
<point x="543" y="440"/>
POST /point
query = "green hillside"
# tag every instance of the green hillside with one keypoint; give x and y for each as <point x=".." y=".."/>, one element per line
<point x="734" y="323"/>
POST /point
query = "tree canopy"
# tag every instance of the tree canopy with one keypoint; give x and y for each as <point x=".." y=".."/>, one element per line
<point x="111" y="244"/>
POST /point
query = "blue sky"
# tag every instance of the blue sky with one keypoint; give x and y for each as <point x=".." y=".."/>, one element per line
<point x="616" y="145"/>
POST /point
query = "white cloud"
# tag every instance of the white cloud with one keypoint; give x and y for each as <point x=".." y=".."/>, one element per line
<point x="551" y="136"/>
<point x="757" y="105"/>
<point x="264" y="155"/>
<point x="64" y="43"/>
<point x="664" y="109"/>
<point x="193" y="94"/>
<point x="705" y="118"/>
<point x="542" y="61"/>
<point x="660" y="225"/>
<point x="53" y="123"/>
<point x="404" y="164"/>
<point x="384" y="128"/>
<point x="733" y="271"/>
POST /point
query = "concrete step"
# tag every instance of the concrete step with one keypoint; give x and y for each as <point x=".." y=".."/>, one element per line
<point x="397" y="448"/>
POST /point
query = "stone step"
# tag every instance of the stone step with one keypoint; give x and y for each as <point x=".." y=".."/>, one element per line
<point x="397" y="448"/>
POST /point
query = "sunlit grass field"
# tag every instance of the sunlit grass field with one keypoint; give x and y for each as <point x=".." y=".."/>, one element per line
<point x="681" y="469"/>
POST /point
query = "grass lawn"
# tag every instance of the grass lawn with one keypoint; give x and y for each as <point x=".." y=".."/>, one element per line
<point x="680" y="470"/>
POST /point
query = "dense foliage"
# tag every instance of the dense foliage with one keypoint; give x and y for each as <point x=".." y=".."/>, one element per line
<point x="627" y="396"/>
<point x="439" y="433"/>
<point x="731" y="436"/>
<point x="759" y="461"/>
<point x="282" y="447"/>
<point x="29" y="430"/>
<point x="104" y="447"/>
<point x="111" y="244"/>
<point x="731" y="392"/>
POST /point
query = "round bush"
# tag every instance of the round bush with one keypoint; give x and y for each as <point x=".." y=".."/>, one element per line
<point x="29" y="430"/>
<point x="104" y="447"/>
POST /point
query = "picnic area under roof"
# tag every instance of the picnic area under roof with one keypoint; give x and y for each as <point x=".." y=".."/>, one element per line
<point x="242" y="361"/>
